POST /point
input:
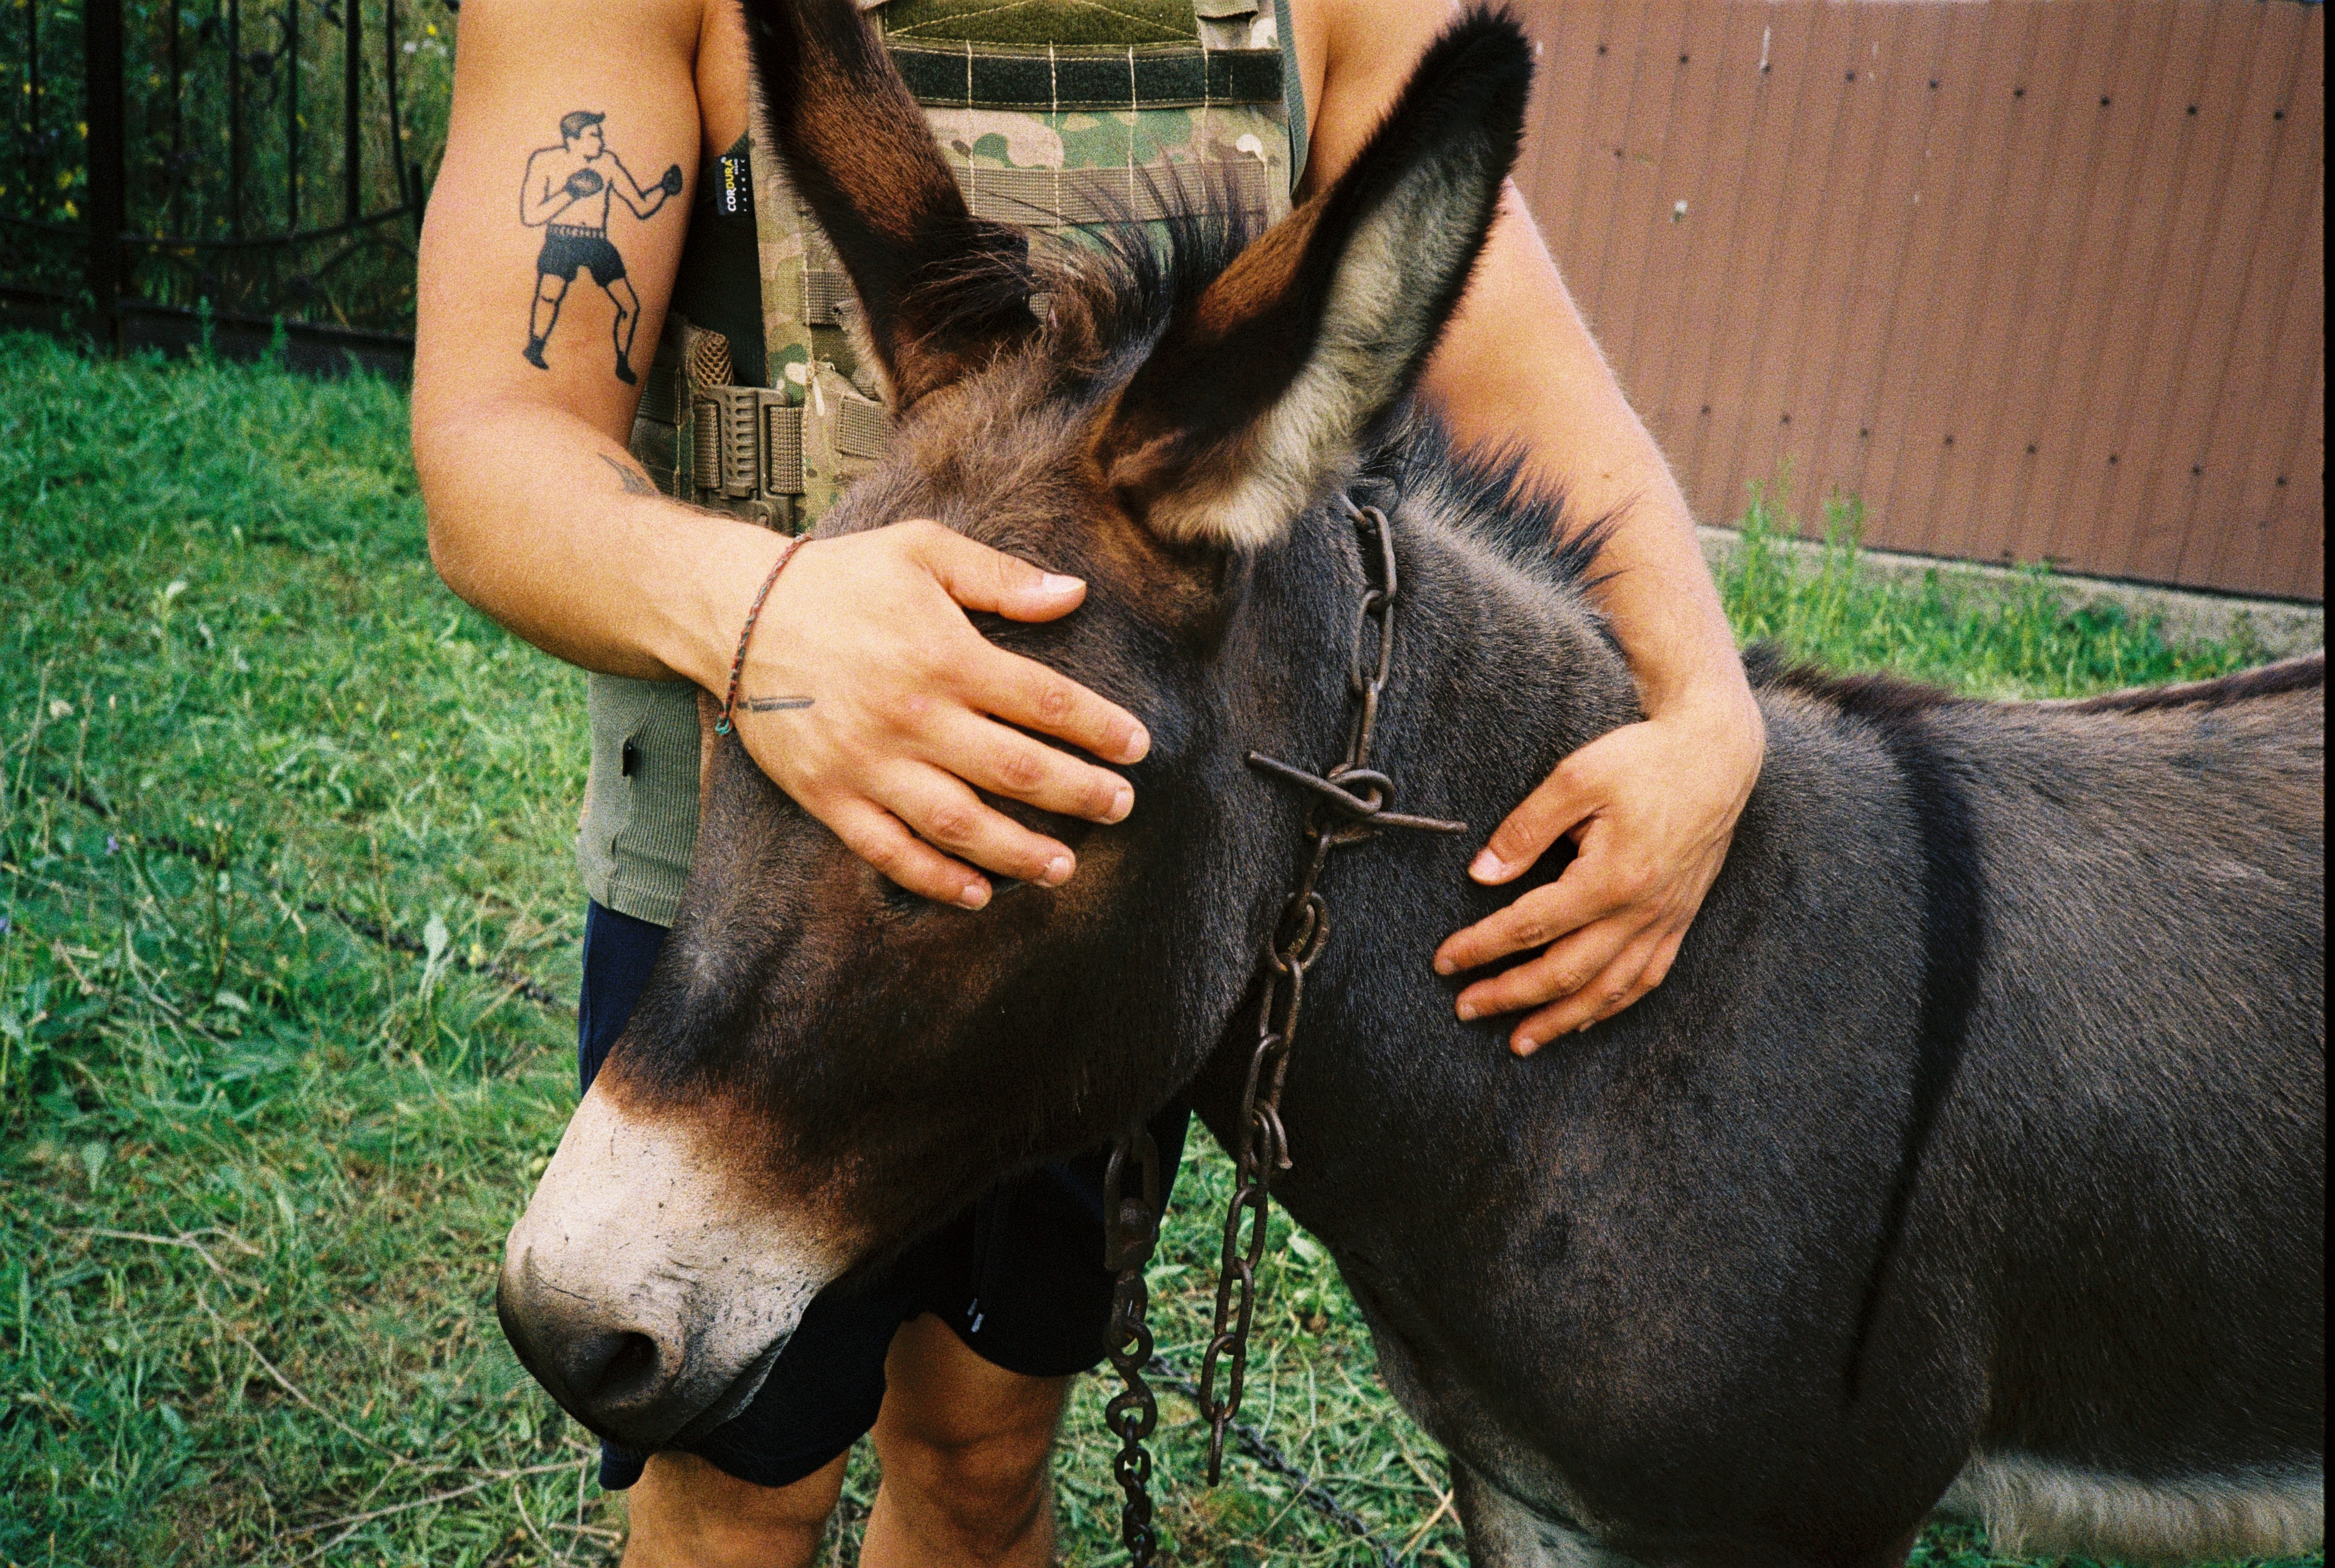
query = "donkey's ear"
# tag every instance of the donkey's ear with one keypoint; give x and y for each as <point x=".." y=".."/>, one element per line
<point x="940" y="291"/>
<point x="1260" y="390"/>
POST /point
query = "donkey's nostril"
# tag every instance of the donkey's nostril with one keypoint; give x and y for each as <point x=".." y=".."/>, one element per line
<point x="604" y="1372"/>
<point x="608" y="1367"/>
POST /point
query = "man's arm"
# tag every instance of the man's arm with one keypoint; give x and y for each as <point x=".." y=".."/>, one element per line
<point x="527" y="522"/>
<point x="1652" y="806"/>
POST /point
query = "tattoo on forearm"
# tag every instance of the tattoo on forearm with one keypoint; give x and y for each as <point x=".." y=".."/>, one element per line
<point x="774" y="704"/>
<point x="566" y="193"/>
<point x="635" y="483"/>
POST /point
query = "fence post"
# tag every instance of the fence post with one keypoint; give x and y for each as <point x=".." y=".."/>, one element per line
<point x="352" y="102"/>
<point x="109" y="210"/>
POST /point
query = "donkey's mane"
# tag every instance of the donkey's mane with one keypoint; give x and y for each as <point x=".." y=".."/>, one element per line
<point x="2306" y="673"/>
<point x="1880" y="699"/>
<point x="1491" y="497"/>
<point x="1104" y="294"/>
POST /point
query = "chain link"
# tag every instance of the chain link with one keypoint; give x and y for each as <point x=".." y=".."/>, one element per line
<point x="1350" y="807"/>
<point x="1131" y="1231"/>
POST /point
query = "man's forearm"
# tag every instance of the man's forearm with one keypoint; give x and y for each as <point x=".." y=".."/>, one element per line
<point x="1554" y="395"/>
<point x="540" y="521"/>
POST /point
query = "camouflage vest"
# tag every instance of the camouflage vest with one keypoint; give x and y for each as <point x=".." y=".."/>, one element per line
<point x="1054" y="114"/>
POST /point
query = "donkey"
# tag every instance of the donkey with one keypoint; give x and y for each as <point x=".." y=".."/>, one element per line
<point x="1970" y="1159"/>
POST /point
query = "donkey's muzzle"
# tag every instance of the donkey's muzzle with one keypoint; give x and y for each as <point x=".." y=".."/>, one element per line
<point x="647" y="1287"/>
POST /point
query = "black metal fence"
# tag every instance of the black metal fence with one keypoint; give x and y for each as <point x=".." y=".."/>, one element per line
<point x="234" y="172"/>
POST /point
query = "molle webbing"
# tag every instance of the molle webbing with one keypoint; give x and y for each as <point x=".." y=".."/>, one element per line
<point x="751" y="452"/>
<point x="1071" y="78"/>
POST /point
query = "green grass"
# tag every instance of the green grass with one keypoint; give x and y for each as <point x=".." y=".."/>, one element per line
<point x="255" y="1167"/>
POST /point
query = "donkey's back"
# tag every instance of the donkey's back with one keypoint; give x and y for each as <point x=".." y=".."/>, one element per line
<point x="2121" y="1084"/>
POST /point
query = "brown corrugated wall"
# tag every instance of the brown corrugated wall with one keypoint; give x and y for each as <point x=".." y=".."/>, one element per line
<point x="2033" y="281"/>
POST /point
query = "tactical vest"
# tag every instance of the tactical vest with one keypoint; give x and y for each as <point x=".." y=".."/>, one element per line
<point x="1053" y="114"/>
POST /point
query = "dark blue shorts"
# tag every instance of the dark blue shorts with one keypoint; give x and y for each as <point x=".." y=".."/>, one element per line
<point x="1017" y="1273"/>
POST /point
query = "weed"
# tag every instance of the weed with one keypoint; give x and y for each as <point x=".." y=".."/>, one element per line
<point x="2035" y="638"/>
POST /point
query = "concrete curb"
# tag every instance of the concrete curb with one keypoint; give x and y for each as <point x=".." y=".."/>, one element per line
<point x="2282" y="627"/>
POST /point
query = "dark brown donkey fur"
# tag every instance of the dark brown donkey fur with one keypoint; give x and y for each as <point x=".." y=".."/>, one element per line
<point x="1972" y="1158"/>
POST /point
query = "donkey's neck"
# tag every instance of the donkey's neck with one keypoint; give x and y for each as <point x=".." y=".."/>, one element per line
<point x="1498" y="672"/>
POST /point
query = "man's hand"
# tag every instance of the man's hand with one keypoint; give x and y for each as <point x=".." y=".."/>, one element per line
<point x="1651" y="808"/>
<point x="910" y="707"/>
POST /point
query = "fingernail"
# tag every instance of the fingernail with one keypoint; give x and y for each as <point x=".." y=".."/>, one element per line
<point x="1467" y="1011"/>
<point x="1122" y="801"/>
<point x="1524" y="1045"/>
<point x="1445" y="967"/>
<point x="1055" y="583"/>
<point x="1138" y="745"/>
<point x="1058" y="871"/>
<point x="975" y="897"/>
<point x="1486" y="866"/>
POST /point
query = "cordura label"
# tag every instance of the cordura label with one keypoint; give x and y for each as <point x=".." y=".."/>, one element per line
<point x="733" y="186"/>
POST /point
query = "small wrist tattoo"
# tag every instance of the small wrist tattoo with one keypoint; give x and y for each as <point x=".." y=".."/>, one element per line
<point x="774" y="704"/>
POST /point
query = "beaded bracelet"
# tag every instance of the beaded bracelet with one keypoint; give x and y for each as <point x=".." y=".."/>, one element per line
<point x="724" y="724"/>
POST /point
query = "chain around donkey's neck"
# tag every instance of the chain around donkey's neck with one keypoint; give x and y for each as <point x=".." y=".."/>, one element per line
<point x="1350" y="806"/>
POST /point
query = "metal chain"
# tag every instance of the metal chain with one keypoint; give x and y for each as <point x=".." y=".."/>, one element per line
<point x="1350" y="807"/>
<point x="1131" y="1231"/>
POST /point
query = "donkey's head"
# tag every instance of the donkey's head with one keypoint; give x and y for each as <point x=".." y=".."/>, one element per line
<point x="822" y="1066"/>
